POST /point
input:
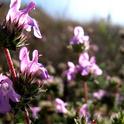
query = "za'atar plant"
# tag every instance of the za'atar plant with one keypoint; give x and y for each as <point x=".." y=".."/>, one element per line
<point x="20" y="88"/>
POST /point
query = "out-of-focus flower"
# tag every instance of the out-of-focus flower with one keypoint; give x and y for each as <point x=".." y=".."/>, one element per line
<point x="71" y="72"/>
<point x="84" y="112"/>
<point x="35" y="111"/>
<point x="32" y="67"/>
<point x="60" y="106"/>
<point x="88" y="65"/>
<point x="99" y="94"/>
<point x="7" y="93"/>
<point x="22" y="17"/>
<point x="80" y="38"/>
<point x="94" y="48"/>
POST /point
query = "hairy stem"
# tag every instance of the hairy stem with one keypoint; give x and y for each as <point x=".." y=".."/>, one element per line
<point x="10" y="63"/>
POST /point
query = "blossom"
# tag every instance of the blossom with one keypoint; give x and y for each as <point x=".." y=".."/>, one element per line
<point x="22" y="17"/>
<point x="99" y="94"/>
<point x="80" y="38"/>
<point x="71" y="72"/>
<point x="88" y="65"/>
<point x="32" y="67"/>
<point x="84" y="112"/>
<point x="60" y="106"/>
<point x="35" y="111"/>
<point x="7" y="93"/>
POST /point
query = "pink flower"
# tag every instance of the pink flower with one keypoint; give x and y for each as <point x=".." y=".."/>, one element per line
<point x="71" y="72"/>
<point x="80" y="38"/>
<point x="99" y="94"/>
<point x="7" y="93"/>
<point x="21" y="16"/>
<point x="84" y="112"/>
<point x="88" y="65"/>
<point x="32" y="67"/>
<point x="35" y="111"/>
<point x="60" y="106"/>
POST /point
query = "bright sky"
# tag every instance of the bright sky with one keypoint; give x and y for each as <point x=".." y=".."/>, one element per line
<point x="85" y="10"/>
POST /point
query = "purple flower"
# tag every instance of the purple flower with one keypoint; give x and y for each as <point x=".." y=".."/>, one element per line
<point x="71" y="72"/>
<point x="7" y="93"/>
<point x="99" y="94"/>
<point x="21" y="16"/>
<point x="32" y="67"/>
<point x="35" y="111"/>
<point x="84" y="112"/>
<point x="88" y="65"/>
<point x="60" y="106"/>
<point x="80" y="38"/>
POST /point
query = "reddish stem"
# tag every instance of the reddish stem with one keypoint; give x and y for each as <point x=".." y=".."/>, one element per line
<point x="85" y="87"/>
<point x="10" y="63"/>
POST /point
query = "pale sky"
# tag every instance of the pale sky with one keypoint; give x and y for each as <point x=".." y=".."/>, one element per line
<point x="85" y="10"/>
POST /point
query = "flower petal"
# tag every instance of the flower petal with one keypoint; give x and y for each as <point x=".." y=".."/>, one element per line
<point x="36" y="30"/>
<point x="7" y="93"/>
<point x="60" y="106"/>
<point x="28" y="8"/>
<point x="96" y="70"/>
<point x="35" y="56"/>
<point x="23" y="54"/>
<point x="78" y="31"/>
<point x="13" y="95"/>
<point x="35" y="111"/>
<point x="84" y="59"/>
<point x="24" y="58"/>
<point x="4" y="104"/>
<point x="15" y="4"/>
<point x="71" y="65"/>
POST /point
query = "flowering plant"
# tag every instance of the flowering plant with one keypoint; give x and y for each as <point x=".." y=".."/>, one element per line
<point x="19" y="89"/>
<point x="28" y="94"/>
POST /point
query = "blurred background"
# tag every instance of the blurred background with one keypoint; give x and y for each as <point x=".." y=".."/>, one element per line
<point x="84" y="10"/>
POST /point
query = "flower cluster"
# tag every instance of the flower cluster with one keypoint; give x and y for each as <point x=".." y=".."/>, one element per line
<point x="21" y="87"/>
<point x="32" y="67"/>
<point x="79" y="41"/>
<point x="86" y="66"/>
<point x="79" y="37"/>
<point x="22" y="17"/>
<point x="12" y="29"/>
<point x="29" y="68"/>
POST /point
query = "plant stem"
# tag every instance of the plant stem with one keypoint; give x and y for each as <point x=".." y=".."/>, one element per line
<point x="10" y="63"/>
<point x="85" y="87"/>
<point x="26" y="115"/>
